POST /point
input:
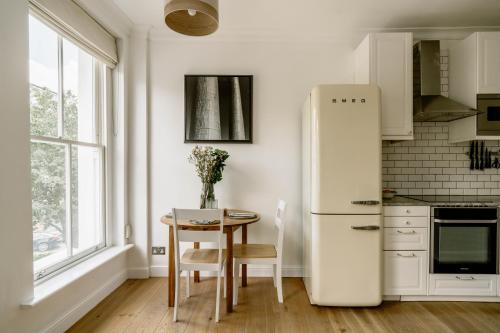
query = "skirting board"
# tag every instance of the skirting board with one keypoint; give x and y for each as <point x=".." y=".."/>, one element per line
<point x="253" y="271"/>
<point x="432" y="298"/>
<point x="138" y="273"/>
<point x="74" y="314"/>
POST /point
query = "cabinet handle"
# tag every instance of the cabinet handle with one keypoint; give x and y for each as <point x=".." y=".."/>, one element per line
<point x="408" y="211"/>
<point x="406" y="232"/>
<point x="406" y="255"/>
<point x="465" y="278"/>
<point x="365" y="202"/>
<point x="408" y="222"/>
<point x="365" y="227"/>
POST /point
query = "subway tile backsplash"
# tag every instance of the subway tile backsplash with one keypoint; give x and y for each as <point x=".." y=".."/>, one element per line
<point x="429" y="165"/>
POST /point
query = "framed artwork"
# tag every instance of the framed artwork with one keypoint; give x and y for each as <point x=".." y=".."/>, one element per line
<point x="218" y="108"/>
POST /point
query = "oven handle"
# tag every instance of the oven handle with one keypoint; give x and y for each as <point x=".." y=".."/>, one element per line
<point x="463" y="278"/>
<point x="464" y="221"/>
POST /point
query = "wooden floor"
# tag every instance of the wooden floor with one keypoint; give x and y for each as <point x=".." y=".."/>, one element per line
<point x="141" y="306"/>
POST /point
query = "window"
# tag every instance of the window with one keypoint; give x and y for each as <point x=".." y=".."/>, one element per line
<point x="67" y="150"/>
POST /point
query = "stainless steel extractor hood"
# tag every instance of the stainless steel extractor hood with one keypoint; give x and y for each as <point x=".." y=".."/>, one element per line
<point x="428" y="104"/>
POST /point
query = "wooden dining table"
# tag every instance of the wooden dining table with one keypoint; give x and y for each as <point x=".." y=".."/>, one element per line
<point x="230" y="226"/>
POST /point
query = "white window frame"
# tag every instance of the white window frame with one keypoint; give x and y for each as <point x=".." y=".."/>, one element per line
<point x="102" y="103"/>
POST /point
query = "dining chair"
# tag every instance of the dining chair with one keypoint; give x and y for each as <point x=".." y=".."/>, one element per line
<point x="271" y="254"/>
<point x="198" y="259"/>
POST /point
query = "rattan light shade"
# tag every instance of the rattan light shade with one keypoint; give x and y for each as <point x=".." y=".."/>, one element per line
<point x="192" y="17"/>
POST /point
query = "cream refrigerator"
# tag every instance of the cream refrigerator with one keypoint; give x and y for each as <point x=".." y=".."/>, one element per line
<point x="342" y="171"/>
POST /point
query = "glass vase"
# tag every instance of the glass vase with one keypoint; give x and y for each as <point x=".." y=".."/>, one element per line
<point x="207" y="198"/>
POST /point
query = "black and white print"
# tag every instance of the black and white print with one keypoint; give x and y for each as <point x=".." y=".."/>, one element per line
<point x="218" y="108"/>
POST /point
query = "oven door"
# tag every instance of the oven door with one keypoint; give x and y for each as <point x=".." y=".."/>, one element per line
<point x="461" y="246"/>
<point x="488" y="122"/>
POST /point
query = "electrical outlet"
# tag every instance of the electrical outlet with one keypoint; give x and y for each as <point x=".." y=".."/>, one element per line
<point x="158" y="250"/>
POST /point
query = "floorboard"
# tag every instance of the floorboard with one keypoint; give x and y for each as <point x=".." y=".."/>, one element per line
<point x="141" y="306"/>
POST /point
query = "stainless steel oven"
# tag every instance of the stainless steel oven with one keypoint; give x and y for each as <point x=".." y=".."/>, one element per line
<point x="464" y="240"/>
<point x="488" y="122"/>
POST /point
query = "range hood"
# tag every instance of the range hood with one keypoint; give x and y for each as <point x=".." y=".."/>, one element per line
<point x="428" y="104"/>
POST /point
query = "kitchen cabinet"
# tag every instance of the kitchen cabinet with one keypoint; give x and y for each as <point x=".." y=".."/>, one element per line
<point x="386" y="59"/>
<point x="474" y="68"/>
<point x="404" y="211"/>
<point x="406" y="239"/>
<point x="406" y="250"/>
<point x="406" y="221"/>
<point x="463" y="285"/>
<point x="488" y="62"/>
<point x="405" y="272"/>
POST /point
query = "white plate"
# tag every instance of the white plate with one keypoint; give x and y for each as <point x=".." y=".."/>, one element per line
<point x="242" y="216"/>
<point x="204" y="222"/>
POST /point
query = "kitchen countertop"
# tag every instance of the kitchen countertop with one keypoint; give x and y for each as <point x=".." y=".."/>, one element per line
<point x="429" y="200"/>
<point x="403" y="201"/>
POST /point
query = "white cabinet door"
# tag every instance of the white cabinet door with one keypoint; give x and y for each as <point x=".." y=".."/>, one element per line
<point x="386" y="59"/>
<point x="392" y="70"/>
<point x="405" y="273"/>
<point x="462" y="285"/>
<point x="406" y="239"/>
<point x="488" y="62"/>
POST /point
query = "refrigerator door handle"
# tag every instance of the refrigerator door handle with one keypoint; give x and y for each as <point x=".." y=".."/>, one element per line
<point x="365" y="227"/>
<point x="365" y="202"/>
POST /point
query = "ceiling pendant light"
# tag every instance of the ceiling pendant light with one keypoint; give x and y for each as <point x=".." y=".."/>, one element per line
<point x="192" y="17"/>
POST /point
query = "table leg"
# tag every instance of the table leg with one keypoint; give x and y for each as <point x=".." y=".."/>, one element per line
<point x="196" y="245"/>
<point x="229" y="270"/>
<point x="171" y="267"/>
<point x="244" y="266"/>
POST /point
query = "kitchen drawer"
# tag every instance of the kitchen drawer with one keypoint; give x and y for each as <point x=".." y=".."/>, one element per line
<point x="406" y="239"/>
<point x="405" y="272"/>
<point x="406" y="211"/>
<point x="406" y="221"/>
<point x="463" y="285"/>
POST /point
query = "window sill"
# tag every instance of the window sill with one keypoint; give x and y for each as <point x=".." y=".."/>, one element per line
<point x="47" y="288"/>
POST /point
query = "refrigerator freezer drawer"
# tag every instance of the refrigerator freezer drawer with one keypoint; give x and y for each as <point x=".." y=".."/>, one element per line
<point x="346" y="260"/>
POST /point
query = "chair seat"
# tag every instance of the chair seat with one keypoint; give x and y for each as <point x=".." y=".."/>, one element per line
<point x="254" y="251"/>
<point x="202" y="256"/>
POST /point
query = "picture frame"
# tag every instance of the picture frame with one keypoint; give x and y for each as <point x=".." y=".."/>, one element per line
<point x="218" y="108"/>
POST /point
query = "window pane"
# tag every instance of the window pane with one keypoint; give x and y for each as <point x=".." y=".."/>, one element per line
<point x="86" y="187"/>
<point x="43" y="79"/>
<point x="48" y="204"/>
<point x="78" y="86"/>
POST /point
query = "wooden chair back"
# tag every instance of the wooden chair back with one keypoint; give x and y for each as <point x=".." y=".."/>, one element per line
<point x="215" y="236"/>
<point x="279" y="222"/>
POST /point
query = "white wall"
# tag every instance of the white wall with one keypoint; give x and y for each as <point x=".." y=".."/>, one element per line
<point x="16" y="275"/>
<point x="257" y="174"/>
<point x="138" y="258"/>
<point x="15" y="188"/>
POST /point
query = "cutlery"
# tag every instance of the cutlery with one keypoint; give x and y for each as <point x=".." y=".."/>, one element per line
<point x="476" y="156"/>
<point x="481" y="157"/>
<point x="471" y="155"/>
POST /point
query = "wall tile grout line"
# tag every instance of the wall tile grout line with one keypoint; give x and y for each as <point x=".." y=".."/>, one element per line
<point x="429" y="165"/>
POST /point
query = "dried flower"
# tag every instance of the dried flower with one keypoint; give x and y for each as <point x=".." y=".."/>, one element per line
<point x="209" y="163"/>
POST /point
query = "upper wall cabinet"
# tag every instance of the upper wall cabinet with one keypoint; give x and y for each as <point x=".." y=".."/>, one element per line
<point x="386" y="60"/>
<point x="474" y="68"/>
<point x="488" y="62"/>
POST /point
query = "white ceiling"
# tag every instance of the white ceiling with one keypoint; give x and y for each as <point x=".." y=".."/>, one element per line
<point x="328" y="17"/>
